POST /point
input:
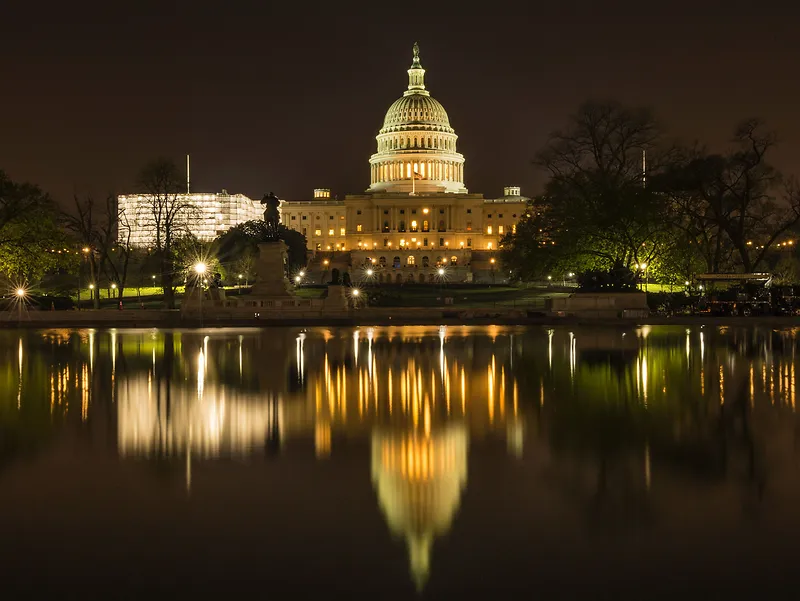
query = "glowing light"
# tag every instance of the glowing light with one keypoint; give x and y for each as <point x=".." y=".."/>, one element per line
<point x="369" y="272"/>
<point x="297" y="279"/>
<point x="441" y="271"/>
<point x="355" y="292"/>
<point x="91" y="286"/>
<point x="20" y="292"/>
<point x="200" y="268"/>
<point x="302" y="274"/>
<point x="113" y="286"/>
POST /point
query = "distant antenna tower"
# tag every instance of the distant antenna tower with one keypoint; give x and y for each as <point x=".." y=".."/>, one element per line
<point x="644" y="168"/>
<point x="187" y="174"/>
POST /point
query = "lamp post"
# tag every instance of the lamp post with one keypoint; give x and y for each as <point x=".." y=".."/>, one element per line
<point x="325" y="263"/>
<point x="643" y="267"/>
<point x="91" y="293"/>
<point x="492" y="261"/>
<point x="200" y="269"/>
<point x="20" y="301"/>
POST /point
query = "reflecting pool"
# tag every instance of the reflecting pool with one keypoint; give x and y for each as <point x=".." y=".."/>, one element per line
<point x="399" y="463"/>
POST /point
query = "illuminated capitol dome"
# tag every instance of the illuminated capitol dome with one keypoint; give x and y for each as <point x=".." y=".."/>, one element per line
<point x="418" y="479"/>
<point x="416" y="138"/>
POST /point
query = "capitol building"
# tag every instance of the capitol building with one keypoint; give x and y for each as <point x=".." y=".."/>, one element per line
<point x="417" y="219"/>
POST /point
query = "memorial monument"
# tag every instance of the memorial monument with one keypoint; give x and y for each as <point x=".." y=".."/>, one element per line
<point x="271" y="279"/>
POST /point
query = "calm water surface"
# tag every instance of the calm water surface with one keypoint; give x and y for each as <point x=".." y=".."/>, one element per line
<point x="399" y="463"/>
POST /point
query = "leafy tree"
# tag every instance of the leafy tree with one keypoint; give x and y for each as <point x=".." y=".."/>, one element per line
<point x="31" y="241"/>
<point x="599" y="211"/>
<point x="238" y="247"/>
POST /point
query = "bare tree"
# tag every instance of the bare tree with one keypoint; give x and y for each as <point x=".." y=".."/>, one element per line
<point x="86" y="228"/>
<point x="738" y="194"/>
<point x="165" y="214"/>
<point x="115" y="243"/>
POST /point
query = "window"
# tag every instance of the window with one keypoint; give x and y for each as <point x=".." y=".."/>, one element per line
<point x="425" y="261"/>
<point x="294" y="217"/>
<point x="489" y="215"/>
<point x="469" y="242"/>
<point x="500" y="229"/>
<point x="402" y="211"/>
<point x="330" y="232"/>
<point x="304" y="231"/>
<point x="500" y="215"/>
<point x="358" y="212"/>
<point x="304" y="217"/>
<point x="513" y="228"/>
<point x="342" y="232"/>
<point x="358" y="227"/>
<point x="385" y="226"/>
<point x="319" y="246"/>
<point x="382" y="261"/>
<point x="331" y="217"/>
<point x="414" y="226"/>
<point x="441" y="211"/>
<point x="514" y="216"/>
<point x="317" y="232"/>
<point x="396" y="262"/>
<point x="469" y="226"/>
<point x="425" y="226"/>
<point x="413" y="211"/>
<point x="385" y="212"/>
<point x="341" y="217"/>
<point x="489" y="246"/>
<point x="424" y="242"/>
<point x="453" y="261"/>
<point x="441" y="241"/>
<point x="317" y="216"/>
<point x="441" y="225"/>
<point x="489" y="230"/>
<point x="469" y="211"/>
<point x="410" y="259"/>
<point x="385" y="242"/>
<point x="401" y="227"/>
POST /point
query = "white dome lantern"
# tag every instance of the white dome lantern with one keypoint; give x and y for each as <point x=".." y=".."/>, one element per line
<point x="416" y="145"/>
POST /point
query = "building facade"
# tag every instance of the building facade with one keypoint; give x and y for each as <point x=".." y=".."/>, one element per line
<point x="205" y="216"/>
<point x="417" y="222"/>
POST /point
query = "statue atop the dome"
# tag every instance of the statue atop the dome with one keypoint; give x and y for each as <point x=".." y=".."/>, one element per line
<point x="416" y="51"/>
<point x="272" y="217"/>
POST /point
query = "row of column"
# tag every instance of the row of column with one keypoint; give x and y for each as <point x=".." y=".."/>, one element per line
<point x="450" y="171"/>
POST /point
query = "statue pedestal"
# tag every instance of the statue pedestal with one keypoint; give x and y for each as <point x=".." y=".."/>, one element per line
<point x="192" y="298"/>
<point x="271" y="271"/>
<point x="336" y="299"/>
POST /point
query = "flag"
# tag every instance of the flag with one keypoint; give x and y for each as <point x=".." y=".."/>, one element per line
<point x="416" y="175"/>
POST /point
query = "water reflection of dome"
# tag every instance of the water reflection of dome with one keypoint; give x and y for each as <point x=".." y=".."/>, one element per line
<point x="418" y="479"/>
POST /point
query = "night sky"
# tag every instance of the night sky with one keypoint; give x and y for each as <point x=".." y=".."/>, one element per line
<point x="265" y="100"/>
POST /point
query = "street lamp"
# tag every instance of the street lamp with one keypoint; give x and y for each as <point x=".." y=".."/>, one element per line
<point x="297" y="279"/>
<point x="492" y="261"/>
<point x="21" y="293"/>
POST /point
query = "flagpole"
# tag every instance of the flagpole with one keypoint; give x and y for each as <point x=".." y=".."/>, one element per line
<point x="413" y="181"/>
